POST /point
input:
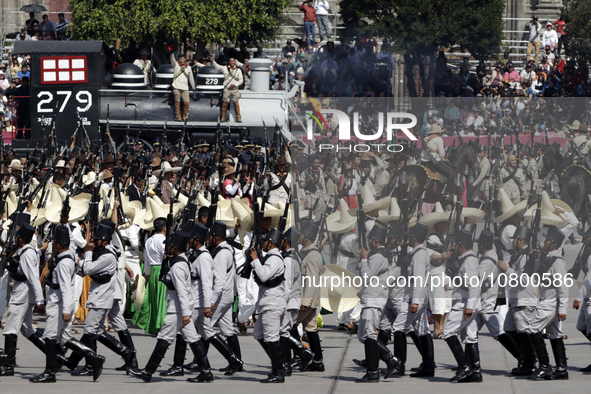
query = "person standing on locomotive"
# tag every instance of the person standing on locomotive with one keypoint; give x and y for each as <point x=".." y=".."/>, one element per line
<point x="232" y="80"/>
<point x="182" y="81"/>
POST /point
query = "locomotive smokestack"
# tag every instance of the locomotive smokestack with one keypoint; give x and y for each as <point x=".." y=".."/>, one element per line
<point x="259" y="74"/>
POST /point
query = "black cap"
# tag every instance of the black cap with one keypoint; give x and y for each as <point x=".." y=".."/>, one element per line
<point x="199" y="232"/>
<point x="311" y="230"/>
<point x="523" y="233"/>
<point x="103" y="232"/>
<point x="292" y="235"/>
<point x="218" y="229"/>
<point x="378" y="233"/>
<point x="274" y="236"/>
<point x="395" y="231"/>
<point x="179" y="239"/>
<point x="556" y="236"/>
<point x="20" y="218"/>
<point x="61" y="235"/>
<point x="464" y="238"/>
<point x="108" y="223"/>
<point x="419" y="232"/>
<point x="26" y="232"/>
<point x="486" y="239"/>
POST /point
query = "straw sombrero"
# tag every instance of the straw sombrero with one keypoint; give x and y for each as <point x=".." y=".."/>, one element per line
<point x="393" y="215"/>
<point x="341" y="222"/>
<point x="370" y="203"/>
<point x="78" y="209"/>
<point x="508" y="208"/>
<point x="548" y="217"/>
<point x="340" y="298"/>
<point x="166" y="168"/>
<point x="472" y="215"/>
<point x="438" y="215"/>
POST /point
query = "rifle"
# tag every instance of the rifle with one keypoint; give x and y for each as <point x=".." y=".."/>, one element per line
<point x="452" y="265"/>
<point x="535" y="230"/>
<point x="283" y="219"/>
<point x="166" y="263"/>
<point x="361" y="227"/>
<point x="546" y="134"/>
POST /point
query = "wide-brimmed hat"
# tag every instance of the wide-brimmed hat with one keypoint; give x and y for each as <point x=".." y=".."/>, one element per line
<point x="153" y="211"/>
<point x="166" y="168"/>
<point x="89" y="178"/>
<point x="369" y="202"/>
<point x="391" y="216"/>
<point x="16" y="165"/>
<point x="435" y="129"/>
<point x="61" y="164"/>
<point x="575" y="126"/>
<point x="341" y="222"/>
<point x="202" y="201"/>
<point x="438" y="215"/>
<point x="341" y="298"/>
<point x="472" y="215"/>
<point x="508" y="208"/>
<point x="78" y="209"/>
<point x="548" y="217"/>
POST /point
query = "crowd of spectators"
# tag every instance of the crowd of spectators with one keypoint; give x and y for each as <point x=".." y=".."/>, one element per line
<point x="46" y="30"/>
<point x="14" y="92"/>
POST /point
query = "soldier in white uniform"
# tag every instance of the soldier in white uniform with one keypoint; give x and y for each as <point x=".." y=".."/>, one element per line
<point x="307" y="314"/>
<point x="523" y="300"/>
<point x="488" y="314"/>
<point x="551" y="310"/>
<point x="313" y="185"/>
<point x="61" y="307"/>
<point x="26" y="294"/>
<point x="412" y="315"/>
<point x="584" y="294"/>
<point x="279" y="183"/>
<point x="271" y="301"/>
<point x="513" y="180"/>
<point x="481" y="183"/>
<point x="433" y="155"/>
<point x="293" y="295"/>
<point x="374" y="264"/>
<point x="462" y="317"/>
<point x="179" y="296"/>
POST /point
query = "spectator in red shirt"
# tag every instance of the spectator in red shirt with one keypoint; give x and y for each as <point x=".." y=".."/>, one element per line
<point x="560" y="26"/>
<point x="309" y="20"/>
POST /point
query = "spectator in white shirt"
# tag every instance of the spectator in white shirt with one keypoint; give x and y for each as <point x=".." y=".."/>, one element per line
<point x="321" y="7"/>
<point x="550" y="38"/>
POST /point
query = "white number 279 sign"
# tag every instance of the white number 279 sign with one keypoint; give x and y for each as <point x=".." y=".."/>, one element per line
<point x="84" y="99"/>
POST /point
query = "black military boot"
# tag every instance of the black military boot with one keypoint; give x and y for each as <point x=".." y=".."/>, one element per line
<point x="473" y="354"/>
<point x="234" y="345"/>
<point x="560" y="373"/>
<point x="153" y="363"/>
<point x="387" y="357"/>
<point x="588" y="367"/>
<point x="417" y="343"/>
<point x="180" y="350"/>
<point x="372" y="359"/>
<point x="48" y="376"/>
<point x="89" y="341"/>
<point x="509" y="344"/>
<point x="383" y="337"/>
<point x="314" y="340"/>
<point x="276" y="375"/>
<point x="427" y="367"/>
<point x="286" y="354"/>
<point x="463" y="363"/>
<point x="201" y="357"/>
<point x="529" y="355"/>
<point x="399" y="352"/>
<point x="10" y="341"/>
<point x="193" y="366"/>
<point x="118" y="348"/>
<point x="304" y="355"/>
<point x="2" y="359"/>
<point x="234" y="363"/>
<point x="37" y="340"/>
<point x="125" y="339"/>
<point x="93" y="360"/>
<point x="544" y="370"/>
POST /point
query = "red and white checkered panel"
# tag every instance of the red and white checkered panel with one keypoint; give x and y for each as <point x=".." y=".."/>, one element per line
<point x="64" y="69"/>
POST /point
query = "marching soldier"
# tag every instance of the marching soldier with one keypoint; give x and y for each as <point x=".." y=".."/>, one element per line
<point x="412" y="313"/>
<point x="271" y="301"/>
<point x="311" y="271"/>
<point x="462" y="317"/>
<point x="373" y="300"/>
<point x="551" y="310"/>
<point x="480" y="184"/>
<point x="26" y="294"/>
<point x="522" y="300"/>
<point x="61" y="306"/>
<point x="279" y="183"/>
<point x="312" y="183"/>
<point x="584" y="294"/>
<point x="488" y="314"/>
<point x="178" y="312"/>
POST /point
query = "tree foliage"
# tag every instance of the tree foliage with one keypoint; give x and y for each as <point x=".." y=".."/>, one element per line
<point x="419" y="26"/>
<point x="577" y="16"/>
<point x="155" y="21"/>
